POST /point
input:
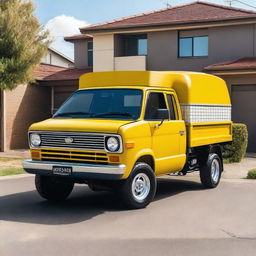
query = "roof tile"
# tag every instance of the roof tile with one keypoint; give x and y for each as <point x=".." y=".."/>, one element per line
<point x="243" y="63"/>
<point x="192" y="12"/>
<point x="46" y="72"/>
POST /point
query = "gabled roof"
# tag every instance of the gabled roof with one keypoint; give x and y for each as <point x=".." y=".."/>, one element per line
<point x="243" y="63"/>
<point x="61" y="54"/>
<point x="189" y="13"/>
<point x="46" y="72"/>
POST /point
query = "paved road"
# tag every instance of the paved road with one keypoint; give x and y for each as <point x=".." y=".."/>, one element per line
<point x="184" y="219"/>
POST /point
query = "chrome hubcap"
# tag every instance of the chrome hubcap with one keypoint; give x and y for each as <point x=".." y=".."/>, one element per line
<point x="215" y="170"/>
<point x="140" y="187"/>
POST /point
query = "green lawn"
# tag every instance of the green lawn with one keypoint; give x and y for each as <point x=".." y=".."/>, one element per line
<point x="251" y="174"/>
<point x="11" y="171"/>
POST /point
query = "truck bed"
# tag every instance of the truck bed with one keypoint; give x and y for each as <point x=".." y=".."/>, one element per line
<point x="200" y="134"/>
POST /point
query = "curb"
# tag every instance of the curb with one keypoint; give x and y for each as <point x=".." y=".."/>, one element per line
<point x="15" y="176"/>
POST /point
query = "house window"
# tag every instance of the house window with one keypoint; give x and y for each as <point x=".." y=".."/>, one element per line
<point x="90" y="53"/>
<point x="193" y="46"/>
<point x="135" y="45"/>
<point x="142" y="46"/>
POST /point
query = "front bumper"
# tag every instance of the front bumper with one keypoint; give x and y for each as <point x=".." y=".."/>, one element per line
<point x="79" y="171"/>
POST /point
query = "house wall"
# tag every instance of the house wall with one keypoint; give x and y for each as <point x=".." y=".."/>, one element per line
<point x="25" y="105"/>
<point x="80" y="53"/>
<point x="103" y="52"/>
<point x="53" y="58"/>
<point x="225" y="43"/>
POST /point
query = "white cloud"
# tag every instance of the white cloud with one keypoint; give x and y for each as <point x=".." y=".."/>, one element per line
<point x="61" y="26"/>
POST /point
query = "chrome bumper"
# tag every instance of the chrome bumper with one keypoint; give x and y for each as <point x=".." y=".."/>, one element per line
<point x="79" y="171"/>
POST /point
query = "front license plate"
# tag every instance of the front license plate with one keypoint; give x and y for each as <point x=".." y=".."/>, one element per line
<point x="61" y="170"/>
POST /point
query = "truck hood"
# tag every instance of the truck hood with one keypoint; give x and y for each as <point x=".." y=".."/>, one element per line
<point x="79" y="125"/>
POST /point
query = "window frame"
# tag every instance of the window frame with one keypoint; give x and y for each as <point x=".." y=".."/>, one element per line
<point x="135" y="37"/>
<point x="142" y="108"/>
<point x="174" y="105"/>
<point x="192" y="56"/>
<point x="147" y="100"/>
<point x="91" y="51"/>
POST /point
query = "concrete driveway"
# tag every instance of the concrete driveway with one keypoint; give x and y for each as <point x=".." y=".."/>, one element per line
<point x="184" y="219"/>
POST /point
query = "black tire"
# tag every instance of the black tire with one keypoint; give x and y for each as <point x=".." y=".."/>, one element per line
<point x="53" y="188"/>
<point x="99" y="186"/>
<point x="208" y="179"/>
<point x="142" y="172"/>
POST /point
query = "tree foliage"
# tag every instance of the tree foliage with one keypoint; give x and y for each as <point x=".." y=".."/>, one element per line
<point x="23" y="42"/>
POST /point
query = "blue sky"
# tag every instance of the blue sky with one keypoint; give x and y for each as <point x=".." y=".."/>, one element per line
<point x="64" y="17"/>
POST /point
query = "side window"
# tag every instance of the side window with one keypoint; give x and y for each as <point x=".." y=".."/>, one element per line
<point x="171" y="104"/>
<point x="90" y="53"/>
<point x="155" y="101"/>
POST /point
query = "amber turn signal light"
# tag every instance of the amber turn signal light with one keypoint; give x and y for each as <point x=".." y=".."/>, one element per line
<point x="129" y="145"/>
<point x="114" y="159"/>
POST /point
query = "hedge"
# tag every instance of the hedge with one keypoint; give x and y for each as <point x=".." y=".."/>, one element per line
<point x="251" y="174"/>
<point x="234" y="152"/>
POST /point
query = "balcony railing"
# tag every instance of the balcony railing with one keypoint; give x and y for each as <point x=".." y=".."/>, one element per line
<point x="127" y="63"/>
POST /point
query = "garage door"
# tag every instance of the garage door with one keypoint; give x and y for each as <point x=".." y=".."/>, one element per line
<point x="244" y="110"/>
<point x="60" y="94"/>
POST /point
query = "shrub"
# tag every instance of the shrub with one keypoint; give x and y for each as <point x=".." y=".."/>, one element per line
<point x="234" y="152"/>
<point x="251" y="174"/>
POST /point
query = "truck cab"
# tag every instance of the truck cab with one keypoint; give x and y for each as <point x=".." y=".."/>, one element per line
<point x="121" y="130"/>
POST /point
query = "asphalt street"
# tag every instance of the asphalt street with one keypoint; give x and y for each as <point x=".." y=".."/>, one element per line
<point x="184" y="219"/>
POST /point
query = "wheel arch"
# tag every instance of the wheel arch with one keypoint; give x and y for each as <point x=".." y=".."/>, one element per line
<point x="204" y="151"/>
<point x="148" y="159"/>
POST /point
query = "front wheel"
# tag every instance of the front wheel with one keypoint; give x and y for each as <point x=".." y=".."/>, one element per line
<point x="53" y="188"/>
<point x="210" y="171"/>
<point x="139" y="189"/>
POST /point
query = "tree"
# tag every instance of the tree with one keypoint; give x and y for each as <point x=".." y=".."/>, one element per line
<point x="23" y="43"/>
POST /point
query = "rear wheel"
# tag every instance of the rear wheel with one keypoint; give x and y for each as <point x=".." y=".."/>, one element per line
<point x="53" y="188"/>
<point x="210" y="171"/>
<point x="139" y="189"/>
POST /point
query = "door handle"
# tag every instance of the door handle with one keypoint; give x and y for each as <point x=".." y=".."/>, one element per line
<point x="182" y="132"/>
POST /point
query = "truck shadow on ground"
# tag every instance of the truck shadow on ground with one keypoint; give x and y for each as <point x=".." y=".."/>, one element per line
<point x="82" y="205"/>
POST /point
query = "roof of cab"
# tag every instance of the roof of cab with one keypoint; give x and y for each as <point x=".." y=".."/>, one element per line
<point x="191" y="87"/>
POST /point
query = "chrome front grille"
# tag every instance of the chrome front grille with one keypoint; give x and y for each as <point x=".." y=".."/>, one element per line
<point x="73" y="140"/>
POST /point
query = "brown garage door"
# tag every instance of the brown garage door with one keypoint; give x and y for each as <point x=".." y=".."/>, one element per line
<point x="244" y="110"/>
<point x="61" y="93"/>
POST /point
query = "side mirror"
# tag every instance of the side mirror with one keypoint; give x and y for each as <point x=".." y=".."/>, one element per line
<point x="162" y="114"/>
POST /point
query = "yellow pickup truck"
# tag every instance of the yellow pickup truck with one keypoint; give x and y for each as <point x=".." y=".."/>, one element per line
<point x="122" y="129"/>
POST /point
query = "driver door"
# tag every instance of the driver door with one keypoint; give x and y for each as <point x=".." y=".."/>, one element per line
<point x="166" y="137"/>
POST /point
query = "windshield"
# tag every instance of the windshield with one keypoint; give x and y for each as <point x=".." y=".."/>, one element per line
<point x="102" y="103"/>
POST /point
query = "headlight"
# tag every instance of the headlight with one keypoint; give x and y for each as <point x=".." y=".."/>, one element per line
<point x="112" y="144"/>
<point x="35" y="140"/>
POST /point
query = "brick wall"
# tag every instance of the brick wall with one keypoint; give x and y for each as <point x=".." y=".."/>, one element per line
<point x="25" y="105"/>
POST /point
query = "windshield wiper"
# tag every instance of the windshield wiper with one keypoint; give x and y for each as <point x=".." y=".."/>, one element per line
<point x="114" y="114"/>
<point x="72" y="113"/>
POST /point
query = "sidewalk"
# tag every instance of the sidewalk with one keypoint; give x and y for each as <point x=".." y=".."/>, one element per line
<point x="239" y="170"/>
<point x="20" y="153"/>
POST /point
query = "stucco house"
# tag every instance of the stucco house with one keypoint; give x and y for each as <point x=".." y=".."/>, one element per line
<point x="54" y="57"/>
<point x="199" y="36"/>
